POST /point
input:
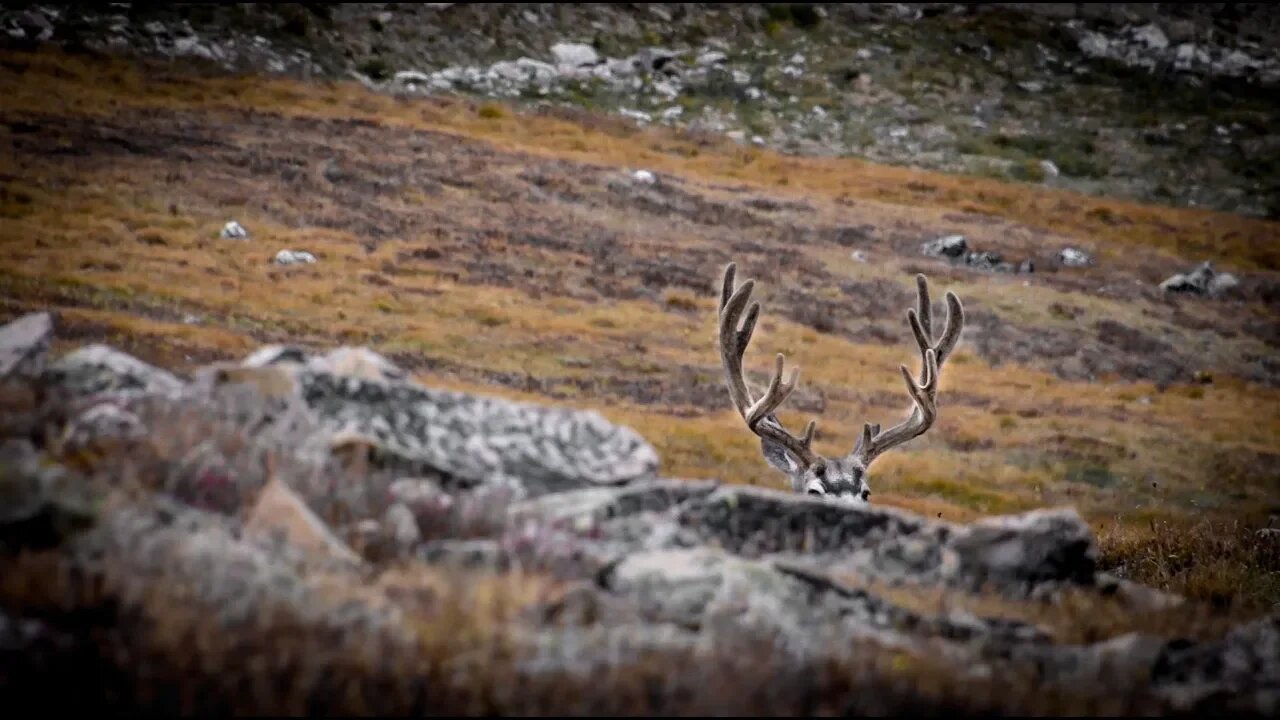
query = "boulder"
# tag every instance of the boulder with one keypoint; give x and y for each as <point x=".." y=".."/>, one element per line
<point x="951" y="246"/>
<point x="99" y="369"/>
<point x="279" y="512"/>
<point x="1203" y="280"/>
<point x="574" y="55"/>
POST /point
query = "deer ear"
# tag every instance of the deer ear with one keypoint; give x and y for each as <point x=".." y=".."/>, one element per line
<point x="779" y="457"/>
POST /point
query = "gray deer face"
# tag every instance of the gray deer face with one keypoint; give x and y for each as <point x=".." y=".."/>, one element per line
<point x="845" y="477"/>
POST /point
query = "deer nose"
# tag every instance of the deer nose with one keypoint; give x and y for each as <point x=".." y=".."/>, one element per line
<point x="815" y="491"/>
<point x="866" y="494"/>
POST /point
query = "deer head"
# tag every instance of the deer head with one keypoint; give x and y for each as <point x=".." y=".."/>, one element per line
<point x="842" y="477"/>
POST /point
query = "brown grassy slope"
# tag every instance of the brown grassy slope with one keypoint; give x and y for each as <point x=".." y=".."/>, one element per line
<point x="512" y="254"/>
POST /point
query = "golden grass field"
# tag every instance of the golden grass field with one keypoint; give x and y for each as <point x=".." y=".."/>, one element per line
<point x="508" y="252"/>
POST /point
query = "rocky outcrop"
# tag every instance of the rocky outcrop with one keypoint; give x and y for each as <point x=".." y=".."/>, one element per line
<point x="1203" y="280"/>
<point x="997" y="81"/>
<point x="493" y="545"/>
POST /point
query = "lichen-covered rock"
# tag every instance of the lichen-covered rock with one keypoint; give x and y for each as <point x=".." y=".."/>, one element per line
<point x="97" y="369"/>
<point x="1041" y="547"/>
<point x="1240" y="672"/>
<point x="951" y="246"/>
<point x="482" y="439"/>
<point x="41" y="504"/>
<point x="756" y="521"/>
<point x="230" y="529"/>
<point x="1203" y="280"/>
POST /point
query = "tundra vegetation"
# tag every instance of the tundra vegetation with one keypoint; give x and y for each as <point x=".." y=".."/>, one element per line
<point x="494" y="250"/>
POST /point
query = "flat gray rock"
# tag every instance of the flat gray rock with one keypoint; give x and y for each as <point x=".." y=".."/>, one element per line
<point x="24" y="345"/>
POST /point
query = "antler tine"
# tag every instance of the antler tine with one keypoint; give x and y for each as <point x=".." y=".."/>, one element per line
<point x="777" y="393"/>
<point x="922" y="302"/>
<point x="923" y="394"/>
<point x="920" y="321"/>
<point x="955" y="324"/>
<point x="733" y="345"/>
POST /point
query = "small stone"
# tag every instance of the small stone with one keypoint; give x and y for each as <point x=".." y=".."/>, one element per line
<point x="235" y="230"/>
<point x="411" y="77"/>
<point x="713" y="57"/>
<point x="1049" y="168"/>
<point x="1074" y="257"/>
<point x="951" y="246"/>
<point x="24" y="345"/>
<point x="643" y="176"/>
<point x="293" y="257"/>
<point x="1222" y="283"/>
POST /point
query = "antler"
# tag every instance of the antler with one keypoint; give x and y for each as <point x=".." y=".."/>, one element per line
<point x="923" y="394"/>
<point x="733" y="343"/>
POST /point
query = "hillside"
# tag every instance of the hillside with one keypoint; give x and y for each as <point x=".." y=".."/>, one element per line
<point x="569" y="258"/>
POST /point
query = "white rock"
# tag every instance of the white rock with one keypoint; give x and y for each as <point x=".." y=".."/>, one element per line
<point x="1152" y="36"/>
<point x="864" y="53"/>
<point x="1031" y="86"/>
<point x="643" y="176"/>
<point x="950" y="246"/>
<point x="574" y="54"/>
<point x="797" y="59"/>
<point x="754" y="93"/>
<point x="741" y="77"/>
<point x="1222" y="283"/>
<point x="1074" y="257"/>
<point x="155" y="27"/>
<point x="757" y="141"/>
<point x="411" y="77"/>
<point x="293" y="257"/>
<point x="1236" y="62"/>
<point x="1049" y="168"/>
<point x="666" y="88"/>
<point x="671" y="113"/>
<point x="1095" y="44"/>
<point x="713" y="57"/>
<point x="234" y="229"/>
<point x="736" y="135"/>
<point x="24" y="344"/>
<point x="858" y="256"/>
<point x="637" y="115"/>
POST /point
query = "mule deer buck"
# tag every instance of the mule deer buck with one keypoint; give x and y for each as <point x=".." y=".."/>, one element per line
<point x="844" y="477"/>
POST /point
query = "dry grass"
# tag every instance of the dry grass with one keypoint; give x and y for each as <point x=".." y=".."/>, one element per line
<point x="1227" y="564"/>
<point x="478" y="287"/>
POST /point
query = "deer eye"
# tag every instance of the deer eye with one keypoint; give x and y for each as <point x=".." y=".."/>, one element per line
<point x="820" y="471"/>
